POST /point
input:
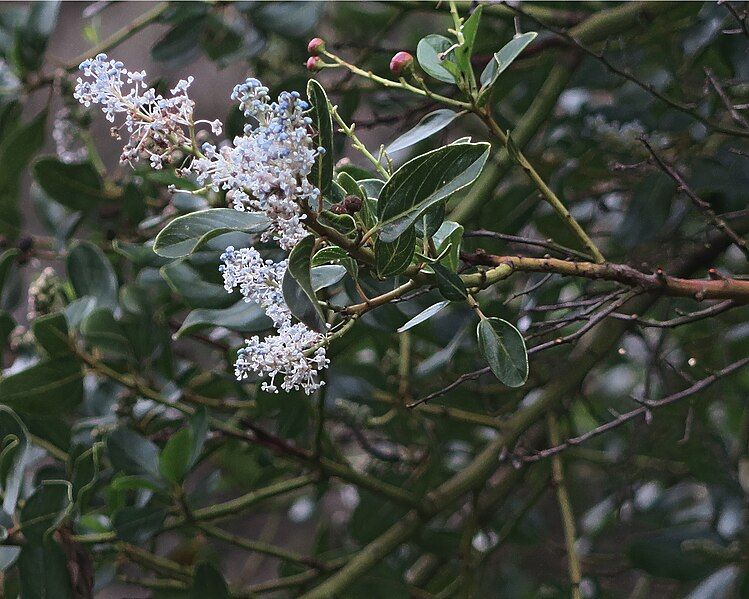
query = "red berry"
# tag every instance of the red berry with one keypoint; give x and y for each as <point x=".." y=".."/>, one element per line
<point x="315" y="46"/>
<point x="401" y="62"/>
<point x="313" y="64"/>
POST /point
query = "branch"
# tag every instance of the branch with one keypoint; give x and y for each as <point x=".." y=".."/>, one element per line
<point x="698" y="289"/>
<point x="648" y="406"/>
<point x="699" y="203"/>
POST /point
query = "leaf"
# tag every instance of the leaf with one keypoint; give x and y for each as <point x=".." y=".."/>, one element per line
<point x="371" y="187"/>
<point x="298" y="291"/>
<point x="429" y="125"/>
<point x="393" y="258"/>
<point x="424" y="181"/>
<point x="450" y="285"/>
<point x="8" y="270"/>
<point x="174" y="461"/>
<point x="504" y="58"/>
<point x="242" y="316"/>
<point x="465" y="51"/>
<point x="76" y="186"/>
<point x="208" y="582"/>
<point x="186" y="282"/>
<point x="132" y="453"/>
<point x="8" y="556"/>
<point x="450" y="233"/>
<point x="326" y="276"/>
<point x="180" y="42"/>
<point x="424" y="315"/>
<point x="14" y="455"/>
<point x="199" y="430"/>
<point x="332" y="253"/>
<point x="503" y="347"/>
<point x="45" y="509"/>
<point x="52" y="387"/>
<point x="51" y="334"/>
<point x="322" y="171"/>
<point x="105" y="333"/>
<point x="140" y="255"/>
<point x="43" y="571"/>
<point x="427" y="53"/>
<point x="187" y="233"/>
<point x="91" y="274"/>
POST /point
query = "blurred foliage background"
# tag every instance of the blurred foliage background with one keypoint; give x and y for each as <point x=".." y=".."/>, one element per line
<point x="112" y="489"/>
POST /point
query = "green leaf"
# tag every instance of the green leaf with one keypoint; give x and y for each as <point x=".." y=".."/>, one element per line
<point x="43" y="571"/>
<point x="92" y="274"/>
<point x="322" y="171"/>
<point x="174" y="462"/>
<point x="428" y="54"/>
<point x="101" y="330"/>
<point x="76" y="186"/>
<point x="326" y="276"/>
<point x="14" y="447"/>
<point x="52" y="387"/>
<point x="219" y="40"/>
<point x="196" y="291"/>
<point x="429" y="125"/>
<point x="503" y="347"/>
<point x="450" y="234"/>
<point x="199" y="431"/>
<point x="208" y="582"/>
<point x="504" y="58"/>
<point x="242" y="316"/>
<point x="332" y="253"/>
<point x="465" y="51"/>
<point x="51" y="334"/>
<point x="140" y="255"/>
<point x="450" y="285"/>
<point x="132" y="453"/>
<point x="8" y="270"/>
<point x="180" y="42"/>
<point x="298" y="291"/>
<point x="426" y="180"/>
<point x="393" y="258"/>
<point x="350" y="185"/>
<point x="424" y="315"/>
<point x="185" y="234"/>
<point x="45" y="509"/>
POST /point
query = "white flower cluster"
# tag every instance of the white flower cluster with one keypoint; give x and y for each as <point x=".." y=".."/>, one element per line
<point x="287" y="352"/>
<point x="156" y="124"/>
<point x="266" y="169"/>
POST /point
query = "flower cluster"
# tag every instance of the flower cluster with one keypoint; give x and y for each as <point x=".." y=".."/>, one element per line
<point x="266" y="169"/>
<point x="156" y="124"/>
<point x="43" y="294"/>
<point x="296" y="352"/>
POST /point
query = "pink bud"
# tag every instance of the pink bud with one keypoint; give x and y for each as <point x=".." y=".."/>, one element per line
<point x="401" y="62"/>
<point x="313" y="64"/>
<point x="315" y="46"/>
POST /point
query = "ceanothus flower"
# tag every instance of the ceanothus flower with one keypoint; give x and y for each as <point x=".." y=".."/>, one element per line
<point x="265" y="170"/>
<point x="156" y="124"/>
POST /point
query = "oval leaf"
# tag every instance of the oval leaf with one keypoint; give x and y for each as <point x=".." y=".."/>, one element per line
<point x="504" y="349"/>
<point x="428" y="125"/>
<point x="322" y="171"/>
<point x="424" y="315"/>
<point x="504" y="58"/>
<point x="428" y="54"/>
<point x="298" y="291"/>
<point x="76" y="186"/>
<point x="185" y="234"/>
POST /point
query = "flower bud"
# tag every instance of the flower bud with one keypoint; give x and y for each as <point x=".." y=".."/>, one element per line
<point x="313" y="64"/>
<point x="401" y="62"/>
<point x="315" y="46"/>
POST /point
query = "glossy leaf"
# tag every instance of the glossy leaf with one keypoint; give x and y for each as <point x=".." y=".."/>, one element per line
<point x="14" y="455"/>
<point x="424" y="315"/>
<point x="430" y="124"/>
<point x="51" y="387"/>
<point x="45" y="509"/>
<point x="174" y="461"/>
<point x="92" y="274"/>
<point x="187" y="233"/>
<point x="186" y="282"/>
<point x="322" y="171"/>
<point x="450" y="233"/>
<point x="428" y="54"/>
<point x="242" y="316"/>
<point x="132" y="453"/>
<point x="394" y="257"/>
<point x="424" y="181"/>
<point x="503" y="347"/>
<point x="43" y="571"/>
<point x="51" y="334"/>
<point x="504" y="58"/>
<point x="298" y="291"/>
<point x="450" y="285"/>
<point x="75" y="186"/>
<point x="326" y="276"/>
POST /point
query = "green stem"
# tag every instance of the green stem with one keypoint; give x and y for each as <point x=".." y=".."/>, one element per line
<point x="356" y="142"/>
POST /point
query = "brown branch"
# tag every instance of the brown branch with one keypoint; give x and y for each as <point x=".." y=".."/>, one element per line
<point x="699" y="203"/>
<point x="659" y="282"/>
<point x="680" y="320"/>
<point x="646" y="407"/>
